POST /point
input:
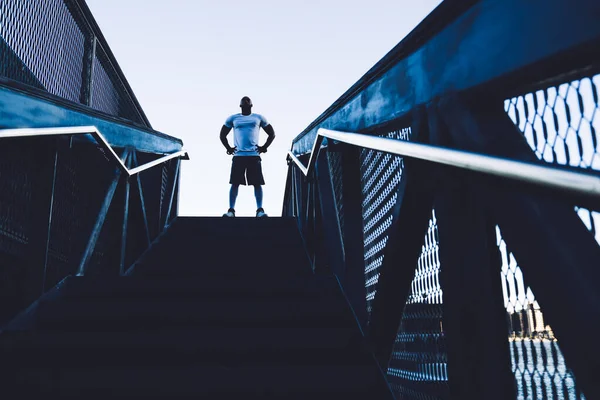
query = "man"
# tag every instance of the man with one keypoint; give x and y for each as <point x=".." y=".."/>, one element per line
<point x="246" y="165"/>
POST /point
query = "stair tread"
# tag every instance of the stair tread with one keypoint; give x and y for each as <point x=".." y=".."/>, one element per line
<point x="205" y="379"/>
<point x="317" y="286"/>
<point x="149" y="313"/>
<point x="207" y="338"/>
<point x="302" y="346"/>
<point x="218" y="308"/>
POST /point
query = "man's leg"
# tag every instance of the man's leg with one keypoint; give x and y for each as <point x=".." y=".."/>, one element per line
<point x="236" y="179"/>
<point x="256" y="179"/>
<point x="233" y="193"/>
<point x="258" y="193"/>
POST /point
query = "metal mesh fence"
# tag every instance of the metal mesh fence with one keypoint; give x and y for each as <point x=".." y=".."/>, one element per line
<point x="380" y="177"/>
<point x="334" y="159"/>
<point x="561" y="125"/>
<point x="15" y="196"/>
<point x="105" y="96"/>
<point x="82" y="174"/>
<point x="418" y="364"/>
<point x="108" y="93"/>
<point x="537" y="362"/>
<point x="77" y="200"/>
<point x="49" y="45"/>
<point x="46" y="38"/>
<point x="81" y="183"/>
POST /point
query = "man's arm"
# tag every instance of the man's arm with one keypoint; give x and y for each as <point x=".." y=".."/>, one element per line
<point x="271" y="136"/>
<point x="223" y="136"/>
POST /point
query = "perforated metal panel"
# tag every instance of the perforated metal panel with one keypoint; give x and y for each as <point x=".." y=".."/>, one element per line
<point x="82" y="176"/>
<point x="48" y="44"/>
<point x="108" y="93"/>
<point x="334" y="160"/>
<point x="47" y="39"/>
<point x="105" y="96"/>
<point x="537" y="362"/>
<point x="562" y="126"/>
<point x="15" y="196"/>
<point x="418" y="365"/>
<point x="380" y="177"/>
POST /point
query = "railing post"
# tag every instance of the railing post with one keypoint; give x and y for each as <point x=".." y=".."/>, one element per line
<point x="354" y="274"/>
<point x="45" y="153"/>
<point x="87" y="74"/>
<point x="405" y="240"/>
<point x="173" y="192"/>
<point x="142" y="201"/>
<point x="474" y="316"/>
<point x="97" y="229"/>
<point x="127" y="184"/>
<point x="308" y="230"/>
<point x="288" y="197"/>
<point x="411" y="215"/>
<point x="554" y="249"/>
<point x="333" y="246"/>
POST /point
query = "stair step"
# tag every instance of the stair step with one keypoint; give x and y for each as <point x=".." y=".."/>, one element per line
<point x="272" y="238"/>
<point x="221" y="286"/>
<point x="217" y="309"/>
<point x="338" y="381"/>
<point x="231" y="225"/>
<point x="138" y="313"/>
<point x="238" y="232"/>
<point x="199" y="270"/>
<point x="215" y="257"/>
<point x="234" y="347"/>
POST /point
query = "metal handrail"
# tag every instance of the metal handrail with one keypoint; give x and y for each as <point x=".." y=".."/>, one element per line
<point x="89" y="130"/>
<point x="547" y="176"/>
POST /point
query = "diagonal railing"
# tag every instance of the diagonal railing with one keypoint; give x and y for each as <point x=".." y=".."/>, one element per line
<point x="100" y="139"/>
<point x="76" y="199"/>
<point x="578" y="183"/>
<point x="454" y="190"/>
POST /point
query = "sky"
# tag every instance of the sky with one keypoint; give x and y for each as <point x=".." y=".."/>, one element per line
<point x="189" y="62"/>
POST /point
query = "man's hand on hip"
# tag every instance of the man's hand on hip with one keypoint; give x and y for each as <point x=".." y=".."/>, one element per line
<point x="231" y="150"/>
<point x="261" y="149"/>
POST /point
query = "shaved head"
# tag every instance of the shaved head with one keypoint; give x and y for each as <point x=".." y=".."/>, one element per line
<point x="245" y="102"/>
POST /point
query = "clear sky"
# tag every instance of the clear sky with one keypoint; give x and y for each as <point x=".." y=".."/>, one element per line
<point x="190" y="61"/>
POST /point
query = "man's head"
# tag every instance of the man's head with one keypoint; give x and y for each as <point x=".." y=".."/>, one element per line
<point x="246" y="105"/>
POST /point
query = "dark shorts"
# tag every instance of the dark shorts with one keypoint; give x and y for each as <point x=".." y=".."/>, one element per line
<point x="243" y="167"/>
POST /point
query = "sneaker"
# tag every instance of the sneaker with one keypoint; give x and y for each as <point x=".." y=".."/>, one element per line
<point x="230" y="213"/>
<point x="260" y="213"/>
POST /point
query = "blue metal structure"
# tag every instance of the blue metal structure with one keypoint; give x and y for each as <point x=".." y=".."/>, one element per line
<point x="67" y="205"/>
<point x="465" y="285"/>
<point x="469" y="286"/>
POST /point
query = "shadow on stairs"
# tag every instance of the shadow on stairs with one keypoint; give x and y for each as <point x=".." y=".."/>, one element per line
<point x="217" y="309"/>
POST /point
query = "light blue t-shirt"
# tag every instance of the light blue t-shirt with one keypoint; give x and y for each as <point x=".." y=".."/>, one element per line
<point x="246" y="129"/>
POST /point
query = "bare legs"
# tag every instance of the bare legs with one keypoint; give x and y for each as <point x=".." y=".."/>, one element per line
<point x="258" y="193"/>
<point x="233" y="193"/>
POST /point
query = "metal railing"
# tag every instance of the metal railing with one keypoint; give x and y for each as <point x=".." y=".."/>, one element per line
<point x="100" y="139"/>
<point x="73" y="200"/>
<point x="66" y="206"/>
<point x="573" y="182"/>
<point x="454" y="192"/>
<point x="121" y="164"/>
